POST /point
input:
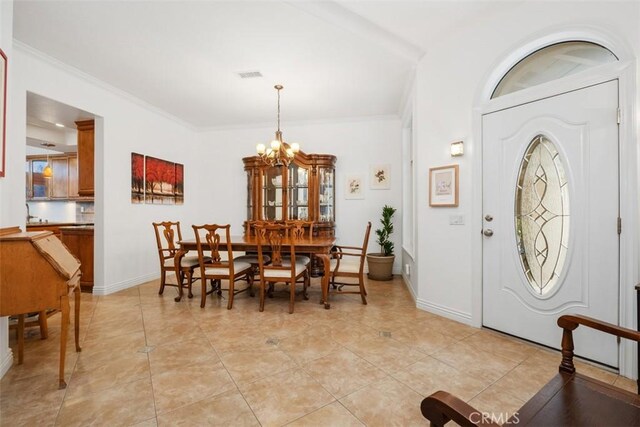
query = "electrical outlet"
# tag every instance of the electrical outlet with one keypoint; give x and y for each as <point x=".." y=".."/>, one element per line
<point x="407" y="269"/>
<point x="456" y="220"/>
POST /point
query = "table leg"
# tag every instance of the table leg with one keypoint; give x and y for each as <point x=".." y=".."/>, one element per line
<point x="76" y="309"/>
<point x="177" y="261"/>
<point x="325" y="279"/>
<point x="20" y="339"/>
<point x="44" y="328"/>
<point x="64" y="308"/>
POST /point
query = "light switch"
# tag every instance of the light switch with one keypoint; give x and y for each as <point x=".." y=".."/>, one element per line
<point x="456" y="220"/>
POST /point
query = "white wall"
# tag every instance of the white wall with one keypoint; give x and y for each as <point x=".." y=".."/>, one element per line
<point x="356" y="144"/>
<point x="9" y="212"/>
<point x="448" y="79"/>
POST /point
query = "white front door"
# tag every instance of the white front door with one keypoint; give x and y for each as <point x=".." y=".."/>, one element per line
<point x="550" y="206"/>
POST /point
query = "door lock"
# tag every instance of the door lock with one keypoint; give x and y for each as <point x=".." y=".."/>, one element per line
<point x="488" y="232"/>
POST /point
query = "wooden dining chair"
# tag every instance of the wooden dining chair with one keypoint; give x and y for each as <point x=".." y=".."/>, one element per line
<point x="166" y="234"/>
<point x="348" y="262"/>
<point x="216" y="267"/>
<point x="302" y="230"/>
<point x="274" y="238"/>
<point x="252" y="258"/>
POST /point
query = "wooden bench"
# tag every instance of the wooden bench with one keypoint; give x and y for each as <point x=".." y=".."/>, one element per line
<point x="569" y="399"/>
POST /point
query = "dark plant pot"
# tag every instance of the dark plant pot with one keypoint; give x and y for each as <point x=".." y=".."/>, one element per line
<point x="380" y="266"/>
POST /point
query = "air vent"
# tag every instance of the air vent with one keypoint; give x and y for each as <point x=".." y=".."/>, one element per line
<point x="47" y="144"/>
<point x="250" y="74"/>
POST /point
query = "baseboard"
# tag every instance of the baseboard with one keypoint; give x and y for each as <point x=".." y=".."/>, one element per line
<point x="440" y="310"/>
<point x="6" y="363"/>
<point x="407" y="283"/>
<point x="125" y="284"/>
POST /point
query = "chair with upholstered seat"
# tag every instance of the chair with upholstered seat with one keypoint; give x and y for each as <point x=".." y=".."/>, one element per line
<point x="166" y="234"/>
<point x="252" y="258"/>
<point x="273" y="238"/>
<point x="216" y="266"/>
<point x="348" y="262"/>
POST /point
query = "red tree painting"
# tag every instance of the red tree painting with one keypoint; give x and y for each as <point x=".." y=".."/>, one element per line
<point x="161" y="181"/>
<point x="179" y="188"/>
<point x="137" y="178"/>
<point x="156" y="181"/>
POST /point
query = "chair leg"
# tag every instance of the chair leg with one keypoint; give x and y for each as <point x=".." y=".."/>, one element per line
<point x="162" y="280"/>
<point x="44" y="328"/>
<point x="203" y="297"/>
<point x="232" y="282"/>
<point x="262" y="284"/>
<point x="190" y="281"/>
<point x="292" y="296"/>
<point x="180" y="280"/>
<point x="250" y="280"/>
<point x="363" y="291"/>
<point x="307" y="283"/>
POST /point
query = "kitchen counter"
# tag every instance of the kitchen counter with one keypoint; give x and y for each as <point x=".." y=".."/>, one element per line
<point x="56" y="224"/>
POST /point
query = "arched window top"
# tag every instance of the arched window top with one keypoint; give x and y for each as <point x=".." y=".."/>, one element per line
<point x="551" y="63"/>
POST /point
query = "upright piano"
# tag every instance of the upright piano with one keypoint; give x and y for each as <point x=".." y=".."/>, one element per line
<point x="37" y="272"/>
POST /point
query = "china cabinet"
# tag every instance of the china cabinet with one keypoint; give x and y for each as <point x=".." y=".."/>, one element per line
<point x="303" y="190"/>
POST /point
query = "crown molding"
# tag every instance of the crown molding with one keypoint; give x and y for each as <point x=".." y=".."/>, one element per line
<point x="29" y="50"/>
<point x="333" y="13"/>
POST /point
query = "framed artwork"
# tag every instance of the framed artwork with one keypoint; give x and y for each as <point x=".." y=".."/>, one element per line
<point x="353" y="187"/>
<point x="380" y="178"/>
<point x="443" y="186"/>
<point x="3" y="109"/>
<point x="137" y="178"/>
<point x="179" y="187"/>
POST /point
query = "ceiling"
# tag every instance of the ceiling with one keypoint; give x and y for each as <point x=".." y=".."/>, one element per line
<point x="335" y="59"/>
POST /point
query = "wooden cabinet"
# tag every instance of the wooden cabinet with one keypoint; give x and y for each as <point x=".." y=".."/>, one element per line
<point x="86" y="158"/>
<point x="63" y="185"/>
<point x="303" y="190"/>
<point x="79" y="240"/>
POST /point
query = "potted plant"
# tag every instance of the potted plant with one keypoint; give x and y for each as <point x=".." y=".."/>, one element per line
<point x="381" y="264"/>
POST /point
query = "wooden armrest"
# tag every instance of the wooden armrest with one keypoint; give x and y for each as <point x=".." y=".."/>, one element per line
<point x="340" y="247"/>
<point x="570" y="322"/>
<point x="442" y="407"/>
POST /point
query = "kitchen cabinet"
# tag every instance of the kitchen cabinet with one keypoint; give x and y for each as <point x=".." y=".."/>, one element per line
<point x="63" y="185"/>
<point x="302" y="190"/>
<point x="86" y="158"/>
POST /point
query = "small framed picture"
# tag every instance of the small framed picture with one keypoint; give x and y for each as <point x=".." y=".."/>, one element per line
<point x="353" y="187"/>
<point x="443" y="186"/>
<point x="380" y="177"/>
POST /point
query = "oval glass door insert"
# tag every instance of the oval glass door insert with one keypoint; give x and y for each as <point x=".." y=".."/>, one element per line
<point x="542" y="215"/>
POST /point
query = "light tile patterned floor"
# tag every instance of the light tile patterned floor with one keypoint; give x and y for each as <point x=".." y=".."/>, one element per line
<point x="147" y="360"/>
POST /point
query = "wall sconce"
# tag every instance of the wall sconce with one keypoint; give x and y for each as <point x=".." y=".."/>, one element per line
<point x="457" y="148"/>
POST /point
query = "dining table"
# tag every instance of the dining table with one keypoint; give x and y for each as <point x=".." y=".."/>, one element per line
<point x="318" y="246"/>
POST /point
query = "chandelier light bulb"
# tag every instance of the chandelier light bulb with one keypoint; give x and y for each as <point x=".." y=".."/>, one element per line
<point x="275" y="145"/>
<point x="295" y="147"/>
<point x="261" y="148"/>
<point x="289" y="152"/>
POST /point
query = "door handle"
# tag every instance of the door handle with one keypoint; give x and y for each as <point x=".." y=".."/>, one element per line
<point x="488" y="218"/>
<point x="488" y="232"/>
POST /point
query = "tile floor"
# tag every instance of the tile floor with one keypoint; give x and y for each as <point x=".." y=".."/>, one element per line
<point x="148" y="361"/>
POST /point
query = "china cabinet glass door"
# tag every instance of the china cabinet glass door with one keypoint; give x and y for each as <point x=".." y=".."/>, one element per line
<point x="298" y="191"/>
<point x="326" y="195"/>
<point x="272" y="194"/>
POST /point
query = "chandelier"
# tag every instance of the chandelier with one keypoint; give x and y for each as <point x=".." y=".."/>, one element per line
<point x="279" y="153"/>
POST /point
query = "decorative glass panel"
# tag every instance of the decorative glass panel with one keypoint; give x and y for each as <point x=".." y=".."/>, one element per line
<point x="551" y="63"/>
<point x="298" y="192"/>
<point x="542" y="215"/>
